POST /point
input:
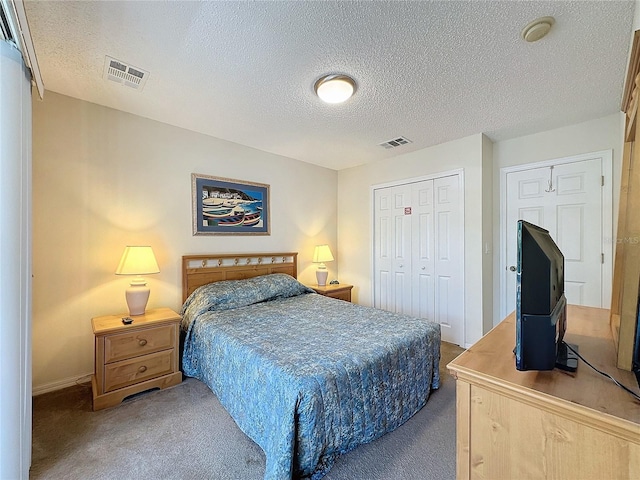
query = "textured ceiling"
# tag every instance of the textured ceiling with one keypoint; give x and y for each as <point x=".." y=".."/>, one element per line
<point x="429" y="71"/>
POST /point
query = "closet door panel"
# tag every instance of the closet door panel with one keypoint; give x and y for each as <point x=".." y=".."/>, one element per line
<point x="448" y="259"/>
<point x="423" y="249"/>
<point x="383" y="250"/>
<point x="402" y="248"/>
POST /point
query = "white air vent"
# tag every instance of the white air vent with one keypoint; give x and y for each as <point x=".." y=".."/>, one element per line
<point x="124" y="74"/>
<point x="396" y="142"/>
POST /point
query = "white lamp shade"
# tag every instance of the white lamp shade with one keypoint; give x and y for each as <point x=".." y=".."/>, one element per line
<point x="137" y="260"/>
<point x="321" y="254"/>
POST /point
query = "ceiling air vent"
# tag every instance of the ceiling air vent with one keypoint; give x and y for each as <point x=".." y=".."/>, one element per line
<point x="396" y="142"/>
<point x="124" y="74"/>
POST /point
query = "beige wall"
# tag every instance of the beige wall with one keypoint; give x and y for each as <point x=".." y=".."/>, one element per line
<point x="356" y="215"/>
<point x="481" y="161"/>
<point x="103" y="179"/>
<point x="593" y="136"/>
<point x="487" y="234"/>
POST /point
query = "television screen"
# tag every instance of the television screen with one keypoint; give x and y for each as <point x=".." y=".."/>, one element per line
<point x="540" y="302"/>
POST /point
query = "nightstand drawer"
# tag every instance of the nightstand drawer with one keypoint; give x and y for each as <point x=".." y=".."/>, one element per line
<point x="128" y="372"/>
<point x="138" y="342"/>
<point x="340" y="291"/>
<point x="343" y="295"/>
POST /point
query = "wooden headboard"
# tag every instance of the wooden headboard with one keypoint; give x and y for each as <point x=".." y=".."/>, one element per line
<point x="199" y="270"/>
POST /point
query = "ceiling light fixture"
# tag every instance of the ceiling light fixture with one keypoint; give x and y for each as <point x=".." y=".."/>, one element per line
<point x="537" y="29"/>
<point x="335" y="88"/>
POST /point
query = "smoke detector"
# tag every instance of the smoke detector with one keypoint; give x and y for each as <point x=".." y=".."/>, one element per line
<point x="396" y="142"/>
<point x="124" y="74"/>
<point x="537" y="29"/>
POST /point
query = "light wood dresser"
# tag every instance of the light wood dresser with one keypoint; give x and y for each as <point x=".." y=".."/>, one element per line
<point x="551" y="425"/>
<point x="133" y="358"/>
<point x="340" y="291"/>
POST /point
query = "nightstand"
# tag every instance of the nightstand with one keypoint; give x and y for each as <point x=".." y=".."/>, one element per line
<point x="133" y="358"/>
<point x="340" y="291"/>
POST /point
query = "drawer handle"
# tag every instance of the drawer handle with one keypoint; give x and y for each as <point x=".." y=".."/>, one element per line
<point x="142" y="342"/>
<point x="142" y="369"/>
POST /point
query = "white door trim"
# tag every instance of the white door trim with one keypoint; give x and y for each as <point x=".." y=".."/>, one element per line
<point x="460" y="173"/>
<point x="607" y="217"/>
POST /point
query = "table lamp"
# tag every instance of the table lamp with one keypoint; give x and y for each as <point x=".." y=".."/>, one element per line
<point x="137" y="260"/>
<point x="321" y="254"/>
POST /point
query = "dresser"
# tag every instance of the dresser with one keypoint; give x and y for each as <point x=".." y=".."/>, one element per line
<point x="133" y="358"/>
<point x="551" y="425"/>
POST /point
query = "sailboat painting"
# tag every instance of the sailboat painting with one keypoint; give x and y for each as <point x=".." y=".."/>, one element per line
<point x="224" y="206"/>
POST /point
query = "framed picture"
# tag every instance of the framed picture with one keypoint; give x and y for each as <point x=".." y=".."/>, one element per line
<point x="224" y="206"/>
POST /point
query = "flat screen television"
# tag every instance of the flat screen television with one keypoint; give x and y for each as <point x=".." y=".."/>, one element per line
<point x="541" y="306"/>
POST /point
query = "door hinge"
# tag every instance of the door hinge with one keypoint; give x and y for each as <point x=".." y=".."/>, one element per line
<point x="602" y="181"/>
<point x="602" y="258"/>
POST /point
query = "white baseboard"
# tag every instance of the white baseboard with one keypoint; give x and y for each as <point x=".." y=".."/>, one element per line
<point x="60" y="384"/>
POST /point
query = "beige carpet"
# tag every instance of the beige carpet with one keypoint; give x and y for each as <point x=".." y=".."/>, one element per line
<point x="184" y="433"/>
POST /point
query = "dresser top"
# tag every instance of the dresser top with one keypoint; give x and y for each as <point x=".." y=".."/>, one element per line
<point x="491" y="362"/>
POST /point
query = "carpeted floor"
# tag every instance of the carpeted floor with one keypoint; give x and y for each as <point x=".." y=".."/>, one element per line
<point x="184" y="433"/>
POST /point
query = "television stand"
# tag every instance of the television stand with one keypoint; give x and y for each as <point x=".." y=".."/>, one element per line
<point x="545" y="424"/>
<point x="566" y="359"/>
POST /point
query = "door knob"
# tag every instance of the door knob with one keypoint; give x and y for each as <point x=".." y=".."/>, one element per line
<point x="512" y="268"/>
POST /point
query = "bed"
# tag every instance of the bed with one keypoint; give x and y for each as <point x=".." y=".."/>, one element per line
<point x="306" y="377"/>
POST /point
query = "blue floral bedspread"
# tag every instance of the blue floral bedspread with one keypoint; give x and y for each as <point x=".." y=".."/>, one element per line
<point x="305" y="376"/>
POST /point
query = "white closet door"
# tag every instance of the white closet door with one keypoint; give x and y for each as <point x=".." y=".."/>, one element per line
<point x="393" y="249"/>
<point x="418" y="245"/>
<point x="449" y="288"/>
<point x="383" y="249"/>
<point x="422" y="282"/>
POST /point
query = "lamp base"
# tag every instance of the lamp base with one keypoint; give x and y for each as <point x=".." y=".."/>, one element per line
<point x="137" y="296"/>
<point x="321" y="277"/>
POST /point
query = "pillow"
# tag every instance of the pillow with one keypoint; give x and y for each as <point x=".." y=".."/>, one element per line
<point x="239" y="293"/>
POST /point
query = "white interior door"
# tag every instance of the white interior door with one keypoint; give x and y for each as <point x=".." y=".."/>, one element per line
<point x="567" y="200"/>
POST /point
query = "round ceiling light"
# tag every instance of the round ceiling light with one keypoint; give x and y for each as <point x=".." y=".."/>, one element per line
<point x="335" y="88"/>
<point x="537" y="29"/>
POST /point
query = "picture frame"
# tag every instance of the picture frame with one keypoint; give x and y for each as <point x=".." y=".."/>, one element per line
<point x="226" y="206"/>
